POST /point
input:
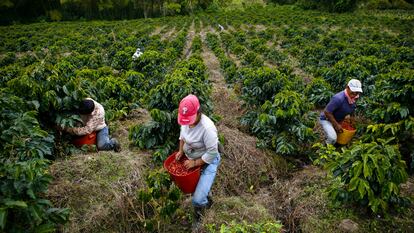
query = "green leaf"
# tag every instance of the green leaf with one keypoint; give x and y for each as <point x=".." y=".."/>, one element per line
<point x="66" y="91"/>
<point x="393" y="188"/>
<point x="58" y="215"/>
<point x="404" y="111"/>
<point x="45" y="228"/>
<point x="3" y="217"/>
<point x="12" y="204"/>
<point x="35" y="103"/>
<point x="353" y="184"/>
<point x="357" y="168"/>
<point x="383" y="205"/>
<point x="362" y="188"/>
<point x="44" y="202"/>
<point x="36" y="213"/>
<point x="31" y="193"/>
<point x="367" y="170"/>
<point x="374" y="204"/>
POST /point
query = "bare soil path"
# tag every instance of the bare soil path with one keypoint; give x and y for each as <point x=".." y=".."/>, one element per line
<point x="242" y="159"/>
<point x="190" y="36"/>
<point x="168" y="34"/>
<point x="243" y="162"/>
<point x="157" y="31"/>
<point x="226" y="102"/>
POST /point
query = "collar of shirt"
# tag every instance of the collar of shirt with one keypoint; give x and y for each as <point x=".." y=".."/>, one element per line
<point x="350" y="99"/>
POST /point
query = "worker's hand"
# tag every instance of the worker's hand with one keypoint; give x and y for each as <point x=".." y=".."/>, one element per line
<point x="178" y="155"/>
<point x="190" y="163"/>
<point x="338" y="128"/>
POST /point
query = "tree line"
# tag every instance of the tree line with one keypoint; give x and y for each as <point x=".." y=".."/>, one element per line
<point x="56" y="10"/>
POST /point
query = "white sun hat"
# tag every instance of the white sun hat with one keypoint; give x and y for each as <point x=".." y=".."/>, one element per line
<point x="355" y="85"/>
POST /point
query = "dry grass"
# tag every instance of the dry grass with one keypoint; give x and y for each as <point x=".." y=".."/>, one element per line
<point x="168" y="34"/>
<point x="245" y="170"/>
<point x="229" y="28"/>
<point x="100" y="188"/>
<point x="407" y="189"/>
<point x="244" y="167"/>
<point x="230" y="109"/>
<point x="211" y="29"/>
<point x="157" y="30"/>
<point x="247" y="173"/>
<point x="293" y="200"/>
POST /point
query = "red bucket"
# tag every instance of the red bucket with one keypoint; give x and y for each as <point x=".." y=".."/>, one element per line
<point x="89" y="139"/>
<point x="187" y="182"/>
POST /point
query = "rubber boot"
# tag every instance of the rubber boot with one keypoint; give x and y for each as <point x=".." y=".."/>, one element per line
<point x="198" y="214"/>
<point x="337" y="145"/>
<point x="210" y="202"/>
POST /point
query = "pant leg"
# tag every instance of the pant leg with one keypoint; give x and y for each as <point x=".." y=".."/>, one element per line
<point x="103" y="141"/>
<point x="207" y="177"/>
<point x="329" y="130"/>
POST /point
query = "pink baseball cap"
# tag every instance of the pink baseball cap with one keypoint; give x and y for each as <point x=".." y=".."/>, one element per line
<point x="187" y="110"/>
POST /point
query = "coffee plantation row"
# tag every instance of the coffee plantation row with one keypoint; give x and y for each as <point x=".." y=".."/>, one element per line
<point x="281" y="104"/>
<point x="284" y="63"/>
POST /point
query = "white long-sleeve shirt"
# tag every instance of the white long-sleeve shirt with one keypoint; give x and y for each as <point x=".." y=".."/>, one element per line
<point x="200" y="141"/>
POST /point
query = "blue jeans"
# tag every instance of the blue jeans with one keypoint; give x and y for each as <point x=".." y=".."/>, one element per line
<point x="207" y="176"/>
<point x="103" y="142"/>
<point x="329" y="130"/>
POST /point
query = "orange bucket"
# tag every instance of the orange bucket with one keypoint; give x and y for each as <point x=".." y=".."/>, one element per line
<point x="89" y="139"/>
<point x="187" y="182"/>
<point x="347" y="133"/>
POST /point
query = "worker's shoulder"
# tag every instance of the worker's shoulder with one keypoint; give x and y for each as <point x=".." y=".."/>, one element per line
<point x="339" y="96"/>
<point x="207" y="122"/>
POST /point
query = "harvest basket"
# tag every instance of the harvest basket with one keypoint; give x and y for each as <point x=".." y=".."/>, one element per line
<point x="348" y="132"/>
<point x="89" y="139"/>
<point x="187" y="182"/>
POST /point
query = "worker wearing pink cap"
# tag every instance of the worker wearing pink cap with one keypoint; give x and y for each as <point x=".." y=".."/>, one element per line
<point x="199" y="142"/>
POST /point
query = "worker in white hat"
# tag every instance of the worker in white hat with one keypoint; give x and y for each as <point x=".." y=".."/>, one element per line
<point x="341" y="105"/>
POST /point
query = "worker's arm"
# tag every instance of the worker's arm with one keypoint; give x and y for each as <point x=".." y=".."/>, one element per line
<point x="210" y="139"/>
<point x="87" y="129"/>
<point x="194" y="163"/>
<point x="335" y="124"/>
<point x="95" y="120"/>
<point x="180" y="150"/>
<point x="190" y="163"/>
